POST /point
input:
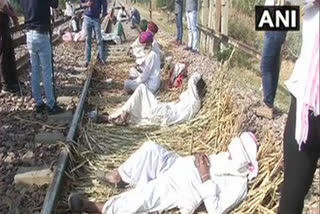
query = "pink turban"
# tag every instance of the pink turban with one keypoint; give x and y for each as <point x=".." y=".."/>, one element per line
<point x="152" y="27"/>
<point x="146" y="37"/>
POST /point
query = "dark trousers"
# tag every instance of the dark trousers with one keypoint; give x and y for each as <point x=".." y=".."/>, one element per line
<point x="270" y="64"/>
<point x="179" y="26"/>
<point x="299" y="166"/>
<point x="8" y="72"/>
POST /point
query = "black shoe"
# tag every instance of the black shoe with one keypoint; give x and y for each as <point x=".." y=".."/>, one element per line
<point x="10" y="89"/>
<point x="55" y="110"/>
<point x="187" y="48"/>
<point x="40" y="109"/>
<point x="195" y="51"/>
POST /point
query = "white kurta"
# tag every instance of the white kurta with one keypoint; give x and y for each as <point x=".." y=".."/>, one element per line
<point x="139" y="52"/>
<point x="165" y="180"/>
<point x="122" y="16"/>
<point x="150" y="75"/>
<point x="144" y="108"/>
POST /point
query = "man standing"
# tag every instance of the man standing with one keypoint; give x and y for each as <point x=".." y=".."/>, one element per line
<point x="8" y="72"/>
<point x="37" y="23"/>
<point x="92" y="22"/>
<point x="301" y="141"/>
<point x="178" y="8"/>
<point x="192" y="19"/>
<point x="270" y="66"/>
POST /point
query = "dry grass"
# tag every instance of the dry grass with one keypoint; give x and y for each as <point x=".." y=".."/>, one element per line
<point x="223" y="116"/>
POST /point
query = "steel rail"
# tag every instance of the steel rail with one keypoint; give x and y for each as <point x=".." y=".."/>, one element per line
<point x="63" y="160"/>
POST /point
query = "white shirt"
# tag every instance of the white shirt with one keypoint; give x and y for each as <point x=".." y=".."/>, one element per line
<point x="220" y="194"/>
<point x="156" y="47"/>
<point x="300" y="83"/>
<point x="121" y="16"/>
<point x="297" y="80"/>
<point x="150" y="75"/>
<point x="139" y="52"/>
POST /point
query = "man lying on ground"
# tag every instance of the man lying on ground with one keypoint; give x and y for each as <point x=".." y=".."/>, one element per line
<point x="143" y="108"/>
<point x="148" y="72"/>
<point x="164" y="180"/>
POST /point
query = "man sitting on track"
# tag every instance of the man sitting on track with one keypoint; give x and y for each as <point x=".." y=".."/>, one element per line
<point x="164" y="180"/>
<point x="148" y="70"/>
<point x="137" y="50"/>
<point x="143" y="108"/>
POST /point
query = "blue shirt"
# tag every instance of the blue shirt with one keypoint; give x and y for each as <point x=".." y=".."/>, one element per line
<point x="95" y="10"/>
<point x="135" y="13"/>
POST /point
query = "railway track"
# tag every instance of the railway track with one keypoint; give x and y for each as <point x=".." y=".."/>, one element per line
<point x="33" y="143"/>
<point x="65" y="162"/>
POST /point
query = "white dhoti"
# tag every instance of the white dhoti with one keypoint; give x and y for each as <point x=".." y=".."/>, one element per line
<point x="155" y="189"/>
<point x="139" y="105"/>
<point x="143" y="169"/>
<point x="146" y="164"/>
<point x="144" y="108"/>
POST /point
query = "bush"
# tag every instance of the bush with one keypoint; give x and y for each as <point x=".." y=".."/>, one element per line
<point x="246" y="6"/>
<point x="293" y="45"/>
<point x="16" y="6"/>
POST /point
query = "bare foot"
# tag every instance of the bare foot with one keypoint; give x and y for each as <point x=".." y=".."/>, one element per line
<point x="121" y="120"/>
<point x="113" y="177"/>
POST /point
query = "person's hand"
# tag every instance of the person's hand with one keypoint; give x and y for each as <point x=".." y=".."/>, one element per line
<point x="203" y="164"/>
